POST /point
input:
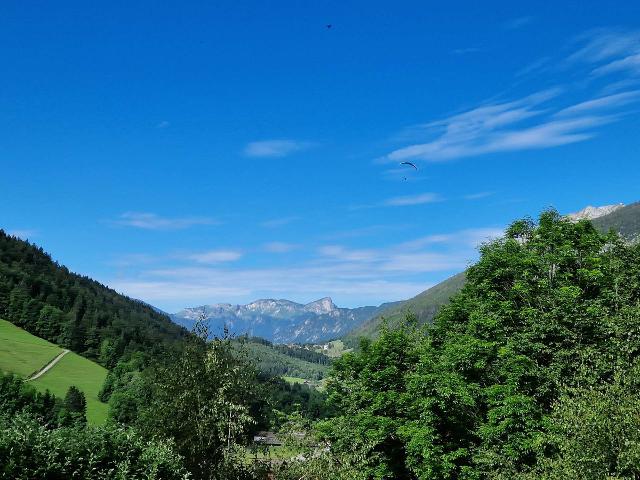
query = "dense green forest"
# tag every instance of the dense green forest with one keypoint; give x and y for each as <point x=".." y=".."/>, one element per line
<point x="279" y="360"/>
<point x="530" y="371"/>
<point x="73" y="311"/>
<point x="295" y="351"/>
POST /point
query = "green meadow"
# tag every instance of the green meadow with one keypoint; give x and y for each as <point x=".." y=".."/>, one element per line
<point x="24" y="354"/>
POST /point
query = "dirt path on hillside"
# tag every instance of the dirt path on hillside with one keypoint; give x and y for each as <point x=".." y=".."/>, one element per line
<point x="48" y="366"/>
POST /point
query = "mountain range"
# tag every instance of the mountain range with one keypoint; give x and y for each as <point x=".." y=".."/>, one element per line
<point x="281" y="321"/>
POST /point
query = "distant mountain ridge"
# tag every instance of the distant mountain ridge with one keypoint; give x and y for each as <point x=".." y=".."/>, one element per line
<point x="591" y="213"/>
<point x="281" y="321"/>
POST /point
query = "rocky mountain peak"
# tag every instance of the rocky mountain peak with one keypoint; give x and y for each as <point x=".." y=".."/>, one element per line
<point x="321" y="306"/>
<point x="589" y="213"/>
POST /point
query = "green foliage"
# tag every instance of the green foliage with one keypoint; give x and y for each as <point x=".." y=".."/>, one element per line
<point x="29" y="451"/>
<point x="18" y="397"/>
<point x="595" y="432"/>
<point x="74" y="408"/>
<point x="550" y="308"/>
<point x="74" y="311"/>
<point x="81" y="372"/>
<point x="202" y="400"/>
<point x="369" y="390"/>
<point x="294" y="351"/>
<point x="309" y="455"/>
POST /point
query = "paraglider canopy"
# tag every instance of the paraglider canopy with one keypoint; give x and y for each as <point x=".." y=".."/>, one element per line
<point x="410" y="164"/>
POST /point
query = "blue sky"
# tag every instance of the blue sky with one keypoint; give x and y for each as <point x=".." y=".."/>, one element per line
<point x="200" y="152"/>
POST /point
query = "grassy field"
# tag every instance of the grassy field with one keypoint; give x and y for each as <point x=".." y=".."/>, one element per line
<point x="294" y="379"/>
<point x="24" y="354"/>
<point x="335" y="350"/>
<point x="75" y="370"/>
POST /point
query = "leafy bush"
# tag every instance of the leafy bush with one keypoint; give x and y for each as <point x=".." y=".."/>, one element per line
<point x="28" y="451"/>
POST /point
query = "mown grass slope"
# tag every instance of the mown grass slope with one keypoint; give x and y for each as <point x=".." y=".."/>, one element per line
<point x="88" y="376"/>
<point x="24" y="354"/>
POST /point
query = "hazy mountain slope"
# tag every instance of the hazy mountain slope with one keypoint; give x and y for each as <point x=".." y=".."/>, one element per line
<point x="625" y="220"/>
<point x="281" y="321"/>
<point x="424" y="305"/>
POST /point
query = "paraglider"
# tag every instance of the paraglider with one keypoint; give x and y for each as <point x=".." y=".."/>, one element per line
<point x="410" y="165"/>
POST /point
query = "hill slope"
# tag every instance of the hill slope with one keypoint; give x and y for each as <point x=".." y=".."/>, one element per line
<point x="73" y="311"/>
<point x="623" y="219"/>
<point x="25" y="354"/>
<point x="273" y="362"/>
<point x="424" y="306"/>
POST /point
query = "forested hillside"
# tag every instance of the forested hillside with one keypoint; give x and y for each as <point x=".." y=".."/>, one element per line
<point x="281" y="360"/>
<point x="74" y="311"/>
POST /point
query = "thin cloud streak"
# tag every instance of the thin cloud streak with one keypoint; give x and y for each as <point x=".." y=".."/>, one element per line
<point x="601" y="103"/>
<point x="518" y="22"/>
<point x="278" y="222"/>
<point x="275" y="148"/>
<point x="152" y="221"/>
<point x="409" y="200"/>
<point x="215" y="256"/>
<point x="478" y="196"/>
<point x="280" y="247"/>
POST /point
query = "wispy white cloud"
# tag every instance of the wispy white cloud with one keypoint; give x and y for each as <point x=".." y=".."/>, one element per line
<point x="466" y="50"/>
<point x="630" y="63"/>
<point x="152" y="221"/>
<point x="546" y="119"/>
<point x="605" y="44"/>
<point x="280" y="247"/>
<point x="602" y="103"/>
<point x="610" y="51"/>
<point x="478" y="195"/>
<point x="407" y="200"/>
<point x="215" y="256"/>
<point x="471" y="238"/>
<point x="518" y="22"/>
<point x="524" y="124"/>
<point x="278" y="222"/>
<point x="275" y="148"/>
